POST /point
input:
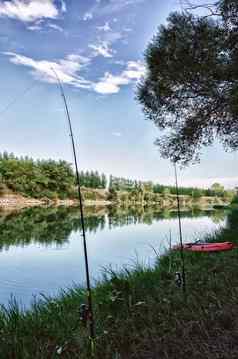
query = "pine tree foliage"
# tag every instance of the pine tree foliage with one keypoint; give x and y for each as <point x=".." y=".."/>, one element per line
<point x="44" y="178"/>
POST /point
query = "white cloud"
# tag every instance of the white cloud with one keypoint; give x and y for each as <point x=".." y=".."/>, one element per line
<point x="103" y="44"/>
<point x="102" y="48"/>
<point x="67" y="69"/>
<point x="135" y="70"/>
<point x="116" y="134"/>
<point x="29" y="10"/>
<point x="87" y="16"/>
<point x="119" y="62"/>
<point x="111" y="84"/>
<point x="34" y="27"/>
<point x="55" y="27"/>
<point x="111" y="6"/>
<point x="79" y="58"/>
<point x="63" y="6"/>
<point x="38" y="25"/>
<point x="106" y="27"/>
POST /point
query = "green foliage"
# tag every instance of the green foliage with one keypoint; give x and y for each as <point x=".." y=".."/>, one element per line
<point x="137" y="188"/>
<point x="166" y="192"/>
<point x="229" y="194"/>
<point x="93" y="179"/>
<point x="112" y="196"/>
<point x="218" y="189"/>
<point x="124" y="197"/>
<point x="45" y="178"/>
<point x="186" y="191"/>
<point x="235" y="200"/>
<point x="90" y="196"/>
<point x="190" y="87"/>
<point x="56" y="180"/>
<point x="197" y="193"/>
<point x="123" y="184"/>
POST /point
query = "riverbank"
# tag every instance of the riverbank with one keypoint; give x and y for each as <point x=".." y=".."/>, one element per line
<point x="17" y="201"/>
<point x="102" y="198"/>
<point x="140" y="313"/>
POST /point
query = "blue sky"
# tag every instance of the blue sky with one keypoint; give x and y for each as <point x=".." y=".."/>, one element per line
<point x="96" y="47"/>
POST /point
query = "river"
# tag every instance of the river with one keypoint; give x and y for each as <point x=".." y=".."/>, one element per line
<point x="41" y="248"/>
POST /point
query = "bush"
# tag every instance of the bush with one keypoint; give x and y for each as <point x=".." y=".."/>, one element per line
<point x="91" y="196"/>
<point x="235" y="200"/>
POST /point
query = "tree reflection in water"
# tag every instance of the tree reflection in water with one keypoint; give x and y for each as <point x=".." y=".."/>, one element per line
<point x="44" y="226"/>
<point x="54" y="225"/>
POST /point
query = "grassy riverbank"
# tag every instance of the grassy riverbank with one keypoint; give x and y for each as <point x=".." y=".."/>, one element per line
<point x="140" y="313"/>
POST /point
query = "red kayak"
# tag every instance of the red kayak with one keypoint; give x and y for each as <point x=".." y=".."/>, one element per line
<point x="207" y="247"/>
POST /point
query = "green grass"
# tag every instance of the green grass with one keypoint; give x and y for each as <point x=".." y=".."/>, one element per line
<point x="140" y="313"/>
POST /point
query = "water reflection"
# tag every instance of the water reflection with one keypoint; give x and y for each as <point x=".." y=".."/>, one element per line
<point x="41" y="249"/>
<point x="44" y="225"/>
<point x="55" y="225"/>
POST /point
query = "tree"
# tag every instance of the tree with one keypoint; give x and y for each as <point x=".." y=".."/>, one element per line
<point x="190" y="88"/>
<point x="148" y="186"/>
<point x="112" y="194"/>
<point x="166" y="192"/>
<point x="197" y="193"/>
<point x="103" y="181"/>
<point x="217" y="188"/>
<point x="229" y="194"/>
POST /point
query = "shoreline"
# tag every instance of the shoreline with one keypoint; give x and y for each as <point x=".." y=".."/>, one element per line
<point x="17" y="202"/>
<point x="20" y="202"/>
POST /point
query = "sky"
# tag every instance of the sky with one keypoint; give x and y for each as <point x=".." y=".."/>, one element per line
<point x="97" y="49"/>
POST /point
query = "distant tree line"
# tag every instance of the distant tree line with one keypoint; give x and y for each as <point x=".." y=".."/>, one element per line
<point x="124" y="184"/>
<point x="56" y="180"/>
<point x="43" y="178"/>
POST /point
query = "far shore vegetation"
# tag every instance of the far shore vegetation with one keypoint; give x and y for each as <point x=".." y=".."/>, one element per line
<point x="55" y="180"/>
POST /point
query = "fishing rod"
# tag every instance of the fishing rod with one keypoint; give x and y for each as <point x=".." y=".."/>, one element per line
<point x="180" y="232"/>
<point x="88" y="312"/>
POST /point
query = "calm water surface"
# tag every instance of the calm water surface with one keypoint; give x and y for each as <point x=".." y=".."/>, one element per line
<point x="41" y="248"/>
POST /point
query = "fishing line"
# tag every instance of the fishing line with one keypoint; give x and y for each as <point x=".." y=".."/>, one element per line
<point x="180" y="232"/>
<point x="18" y="98"/>
<point x="90" y="316"/>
